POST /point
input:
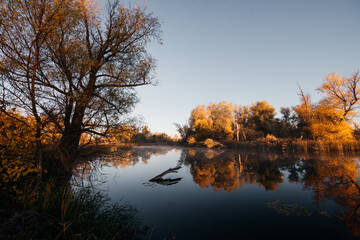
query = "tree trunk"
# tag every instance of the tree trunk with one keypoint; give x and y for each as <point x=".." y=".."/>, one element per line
<point x="69" y="146"/>
<point x="39" y="153"/>
<point x="69" y="143"/>
<point x="237" y="131"/>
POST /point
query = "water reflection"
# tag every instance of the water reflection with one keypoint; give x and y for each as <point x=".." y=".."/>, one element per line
<point x="116" y="158"/>
<point x="335" y="178"/>
<point x="226" y="170"/>
<point x="159" y="179"/>
<point x="329" y="178"/>
<point x="123" y="159"/>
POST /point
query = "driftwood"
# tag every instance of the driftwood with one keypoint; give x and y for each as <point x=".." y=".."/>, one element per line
<point x="166" y="181"/>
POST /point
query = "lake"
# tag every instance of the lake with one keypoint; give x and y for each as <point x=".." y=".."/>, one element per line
<point x="226" y="194"/>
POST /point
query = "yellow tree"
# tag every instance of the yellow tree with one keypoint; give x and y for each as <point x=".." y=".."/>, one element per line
<point x="76" y="66"/>
<point x="321" y="121"/>
<point x="261" y="115"/>
<point x="342" y="93"/>
<point x="327" y="123"/>
<point x="214" y="121"/>
<point x="200" y="122"/>
<point x="222" y="117"/>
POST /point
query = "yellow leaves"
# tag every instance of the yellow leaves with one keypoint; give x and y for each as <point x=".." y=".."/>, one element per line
<point x="17" y="148"/>
<point x="270" y="138"/>
<point x="341" y="92"/>
<point x="209" y="143"/>
<point x="191" y="140"/>
<point x="327" y="123"/>
<point x="261" y="114"/>
<point x="326" y="120"/>
<point x="214" y="121"/>
<point x="120" y="134"/>
<point x="200" y="118"/>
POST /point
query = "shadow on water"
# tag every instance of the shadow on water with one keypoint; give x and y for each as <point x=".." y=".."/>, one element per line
<point x="230" y="184"/>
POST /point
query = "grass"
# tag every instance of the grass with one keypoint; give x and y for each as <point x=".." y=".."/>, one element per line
<point x="298" y="146"/>
<point x="72" y="213"/>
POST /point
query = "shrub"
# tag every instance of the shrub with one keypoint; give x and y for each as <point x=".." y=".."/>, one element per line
<point x="191" y="140"/>
<point x="209" y="143"/>
<point x="270" y="138"/>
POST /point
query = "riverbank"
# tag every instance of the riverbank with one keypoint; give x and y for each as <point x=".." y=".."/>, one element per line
<point x="286" y="146"/>
<point x="54" y="209"/>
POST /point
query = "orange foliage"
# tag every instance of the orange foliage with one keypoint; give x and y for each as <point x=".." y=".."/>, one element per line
<point x="17" y="150"/>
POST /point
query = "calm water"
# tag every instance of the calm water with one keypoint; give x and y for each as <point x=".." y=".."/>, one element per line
<point x="233" y="195"/>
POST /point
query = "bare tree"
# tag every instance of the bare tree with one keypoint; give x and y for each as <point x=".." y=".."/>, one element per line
<point x="83" y="65"/>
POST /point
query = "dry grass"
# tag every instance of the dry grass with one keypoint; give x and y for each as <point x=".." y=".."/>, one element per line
<point x="298" y="146"/>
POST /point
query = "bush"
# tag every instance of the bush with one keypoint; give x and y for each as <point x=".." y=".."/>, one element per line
<point x="191" y="140"/>
<point x="270" y="138"/>
<point x="17" y="152"/>
<point x="209" y="143"/>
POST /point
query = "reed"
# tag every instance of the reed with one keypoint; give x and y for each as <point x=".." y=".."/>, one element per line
<point x="298" y="146"/>
<point x="73" y="213"/>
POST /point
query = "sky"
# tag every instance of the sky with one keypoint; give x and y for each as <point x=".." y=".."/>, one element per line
<point x="245" y="51"/>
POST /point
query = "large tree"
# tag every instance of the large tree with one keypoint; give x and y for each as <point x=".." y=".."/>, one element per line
<point x="321" y="121"/>
<point x="342" y="93"/>
<point x="214" y="121"/>
<point x="68" y="63"/>
<point x="261" y="115"/>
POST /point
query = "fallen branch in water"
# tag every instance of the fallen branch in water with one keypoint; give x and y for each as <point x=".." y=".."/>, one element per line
<point x="170" y="170"/>
<point x="167" y="181"/>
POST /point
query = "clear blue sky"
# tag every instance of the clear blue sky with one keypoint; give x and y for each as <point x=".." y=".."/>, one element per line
<point x="245" y="51"/>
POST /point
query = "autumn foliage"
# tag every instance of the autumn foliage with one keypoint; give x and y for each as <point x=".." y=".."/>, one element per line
<point x="17" y="150"/>
<point x="329" y="120"/>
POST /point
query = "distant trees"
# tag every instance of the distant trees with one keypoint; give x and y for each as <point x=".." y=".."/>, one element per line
<point x="225" y="121"/>
<point x="127" y="133"/>
<point x="329" y="119"/>
<point x="287" y="123"/>
<point x="261" y="116"/>
<point x="214" y="121"/>
<point x="254" y="121"/>
<point x="66" y="63"/>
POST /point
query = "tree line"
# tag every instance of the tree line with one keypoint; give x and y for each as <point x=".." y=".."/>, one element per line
<point x="331" y="118"/>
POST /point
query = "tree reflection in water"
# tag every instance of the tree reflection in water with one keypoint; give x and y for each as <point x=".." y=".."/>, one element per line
<point x="231" y="170"/>
<point x="116" y="158"/>
<point x="335" y="178"/>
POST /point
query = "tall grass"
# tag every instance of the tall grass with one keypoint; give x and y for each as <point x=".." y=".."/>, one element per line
<point x="298" y="146"/>
<point x="73" y="213"/>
